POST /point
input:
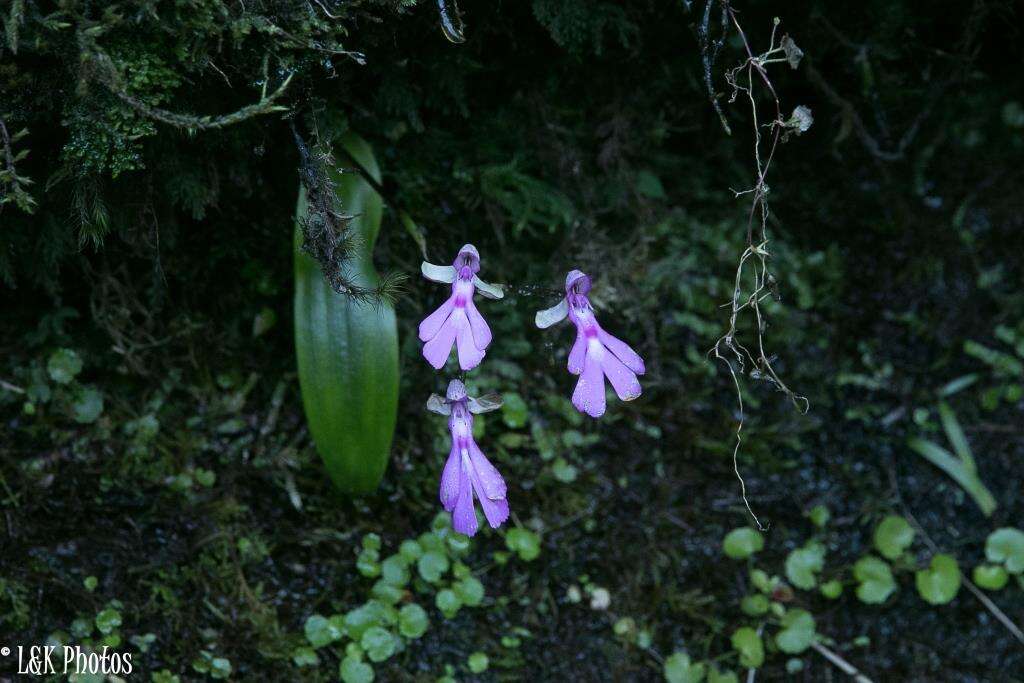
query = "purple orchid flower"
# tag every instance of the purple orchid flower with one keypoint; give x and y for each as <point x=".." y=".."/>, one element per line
<point x="468" y="471"/>
<point x="457" y="321"/>
<point x="596" y="354"/>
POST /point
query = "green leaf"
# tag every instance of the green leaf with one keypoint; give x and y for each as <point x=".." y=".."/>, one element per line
<point x="470" y="591"/>
<point x="360" y="619"/>
<point x="679" y="669"/>
<point x="305" y="656"/>
<point x="514" y="411"/>
<point x="748" y="644"/>
<point x="379" y="643"/>
<point x="448" y="602"/>
<point x="991" y="577"/>
<point x="63" y="365"/>
<point x="108" y="620"/>
<point x="831" y="589"/>
<point x="797" y="632"/>
<point x="355" y="670"/>
<point x="432" y="565"/>
<point x="940" y="582"/>
<point x="875" y="580"/>
<point x="961" y="471"/>
<point x="387" y="593"/>
<point x="410" y="550"/>
<point x="726" y="676"/>
<point x="87" y="405"/>
<point x="394" y="571"/>
<point x="347" y="350"/>
<point x="803" y="564"/>
<point x="413" y="621"/>
<point x="893" y="536"/>
<point x="649" y="185"/>
<point x="754" y="605"/>
<point x="478" y="662"/>
<point x="1006" y="546"/>
<point x="819" y="516"/>
<point x="523" y="542"/>
<point x="320" y="631"/>
<point x="563" y="471"/>
<point x="741" y="543"/>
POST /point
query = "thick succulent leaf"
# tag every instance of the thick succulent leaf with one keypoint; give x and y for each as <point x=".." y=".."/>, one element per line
<point x="347" y="351"/>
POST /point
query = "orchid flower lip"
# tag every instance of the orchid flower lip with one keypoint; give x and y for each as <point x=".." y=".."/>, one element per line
<point x="468" y="256"/>
<point x="577" y="282"/>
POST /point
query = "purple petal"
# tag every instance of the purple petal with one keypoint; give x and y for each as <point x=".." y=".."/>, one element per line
<point x="589" y="395"/>
<point x="450" y="479"/>
<point x="481" y="332"/>
<point x="431" y="325"/>
<point x="489" y="482"/>
<point x="622" y="351"/>
<point x="578" y="353"/>
<point x="437" y="350"/>
<point x="464" y="517"/>
<point x="626" y="385"/>
<point x="496" y="511"/>
<point x="469" y="355"/>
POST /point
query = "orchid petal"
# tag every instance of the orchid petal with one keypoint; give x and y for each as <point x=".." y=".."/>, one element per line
<point x="630" y="358"/>
<point x="431" y="325"/>
<point x="469" y="355"/>
<point x="626" y="385"/>
<point x="589" y="394"/>
<point x="481" y="331"/>
<point x="464" y="516"/>
<point x="449" y="492"/>
<point x="488" y="290"/>
<point x="437" y="404"/>
<point x="442" y="274"/>
<point x="487" y="479"/>
<point x="485" y="404"/>
<point x="549" y="316"/>
<point x="578" y="354"/>
<point x="437" y="350"/>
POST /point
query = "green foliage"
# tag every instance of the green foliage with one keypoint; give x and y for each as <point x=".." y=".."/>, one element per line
<point x="803" y="565"/>
<point x="747" y="643"/>
<point x="741" y="543"/>
<point x="1006" y="546"/>
<point x="797" y="632"/>
<point x="939" y="583"/>
<point x="893" y="536"/>
<point x="875" y="582"/>
<point x="678" y="668"/>
<point x="347" y="349"/>
<point x="523" y="542"/>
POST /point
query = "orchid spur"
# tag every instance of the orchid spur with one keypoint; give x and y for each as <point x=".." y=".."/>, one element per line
<point x="457" y="321"/>
<point x="468" y="471"/>
<point x="595" y="354"/>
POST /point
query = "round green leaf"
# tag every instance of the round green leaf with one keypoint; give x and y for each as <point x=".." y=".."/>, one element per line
<point x="413" y="621"/>
<point x="819" y="516"/>
<point x="523" y="542"/>
<point x="386" y="593"/>
<point x="754" y="605"/>
<point x="478" y="662"/>
<point x="320" y="631"/>
<point x="514" y="411"/>
<point x="63" y="365"/>
<point x="432" y="566"/>
<point x="1006" y="546"/>
<point x="108" y="620"/>
<point x="726" y="676"/>
<point x="470" y="591"/>
<point x="305" y="656"/>
<point x="679" y="669"/>
<point x="410" y="550"/>
<point x="393" y="570"/>
<point x="378" y="643"/>
<point x="831" y="589"/>
<point x="893" y="536"/>
<point x="448" y="602"/>
<point x="797" y="632"/>
<point x="355" y="670"/>
<point x="748" y="644"/>
<point x="803" y="564"/>
<point x="741" y="543"/>
<point x="360" y="619"/>
<point x="87" y="405"/>
<point x="875" y="581"/>
<point x="991" y="577"/>
<point x="940" y="582"/>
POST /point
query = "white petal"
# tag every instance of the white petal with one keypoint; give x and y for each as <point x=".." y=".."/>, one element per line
<point x="488" y="290"/>
<point x="555" y="314"/>
<point x="436" y="404"/>
<point x="445" y="274"/>
<point x="485" y="404"/>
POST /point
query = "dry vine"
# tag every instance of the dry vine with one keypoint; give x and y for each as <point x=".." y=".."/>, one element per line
<point x="748" y="79"/>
